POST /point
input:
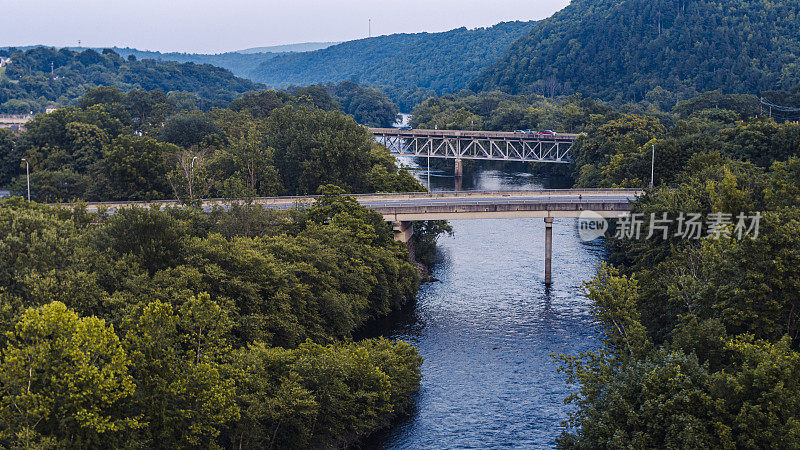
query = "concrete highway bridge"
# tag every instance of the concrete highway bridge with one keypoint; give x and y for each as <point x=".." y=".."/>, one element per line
<point x="402" y="209"/>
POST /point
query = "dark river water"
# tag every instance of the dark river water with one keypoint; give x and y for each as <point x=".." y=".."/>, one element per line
<point x="487" y="329"/>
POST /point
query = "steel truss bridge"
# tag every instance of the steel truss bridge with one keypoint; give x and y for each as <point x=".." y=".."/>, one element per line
<point x="486" y="145"/>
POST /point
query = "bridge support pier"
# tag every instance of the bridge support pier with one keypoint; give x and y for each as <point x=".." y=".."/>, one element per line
<point x="404" y="232"/>
<point x="548" y="250"/>
<point x="459" y="173"/>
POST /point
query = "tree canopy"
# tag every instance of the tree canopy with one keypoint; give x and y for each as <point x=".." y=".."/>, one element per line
<point x="184" y="328"/>
<point x="41" y="76"/>
<point x="626" y="50"/>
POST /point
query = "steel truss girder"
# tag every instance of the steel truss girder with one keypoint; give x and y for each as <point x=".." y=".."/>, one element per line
<point x="497" y="149"/>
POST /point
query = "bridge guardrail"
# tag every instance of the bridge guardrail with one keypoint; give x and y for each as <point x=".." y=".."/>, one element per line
<point x="399" y="196"/>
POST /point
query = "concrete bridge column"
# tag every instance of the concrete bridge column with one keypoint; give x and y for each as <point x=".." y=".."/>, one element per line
<point x="404" y="232"/>
<point x="459" y="174"/>
<point x="548" y="250"/>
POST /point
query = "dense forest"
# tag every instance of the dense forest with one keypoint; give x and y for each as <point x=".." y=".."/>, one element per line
<point x="42" y="76"/>
<point x="616" y="148"/>
<point x="368" y="106"/>
<point x="179" y="328"/>
<point x="234" y="328"/>
<point x="624" y="49"/>
<point x="409" y="67"/>
<point x="28" y="84"/>
<point x="240" y="64"/>
<point x="620" y="51"/>
<point x="141" y="145"/>
<point x="701" y="334"/>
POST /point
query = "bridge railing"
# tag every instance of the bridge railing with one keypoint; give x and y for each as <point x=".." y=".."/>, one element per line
<point x="397" y="195"/>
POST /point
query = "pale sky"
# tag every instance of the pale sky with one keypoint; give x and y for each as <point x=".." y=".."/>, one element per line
<point x="225" y="25"/>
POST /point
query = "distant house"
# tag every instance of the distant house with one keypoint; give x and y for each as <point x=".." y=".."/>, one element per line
<point x="50" y="109"/>
<point x="4" y="61"/>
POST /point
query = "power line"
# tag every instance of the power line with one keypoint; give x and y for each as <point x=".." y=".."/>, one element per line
<point x="779" y="112"/>
<point x="779" y="107"/>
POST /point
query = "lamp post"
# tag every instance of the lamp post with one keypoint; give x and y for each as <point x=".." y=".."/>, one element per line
<point x="652" y="166"/>
<point x="429" y="169"/>
<point x="191" y="181"/>
<point x="28" y="177"/>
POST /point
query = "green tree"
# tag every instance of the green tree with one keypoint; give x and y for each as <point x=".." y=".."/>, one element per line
<point x="64" y="380"/>
<point x="136" y="168"/>
<point x="186" y="393"/>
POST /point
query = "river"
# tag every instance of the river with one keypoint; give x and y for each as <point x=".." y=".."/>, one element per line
<point x="487" y="327"/>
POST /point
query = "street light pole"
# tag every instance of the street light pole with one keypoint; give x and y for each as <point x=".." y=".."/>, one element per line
<point x="28" y="177"/>
<point x="191" y="181"/>
<point x="652" y="166"/>
<point x="429" y="168"/>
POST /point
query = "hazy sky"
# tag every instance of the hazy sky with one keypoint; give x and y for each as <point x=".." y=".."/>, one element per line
<point x="224" y="25"/>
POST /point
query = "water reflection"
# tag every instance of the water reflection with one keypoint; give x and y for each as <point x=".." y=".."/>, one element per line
<point x="480" y="175"/>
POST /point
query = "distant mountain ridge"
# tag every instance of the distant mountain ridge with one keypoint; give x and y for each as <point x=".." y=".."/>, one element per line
<point x="240" y="64"/>
<point x="624" y="49"/>
<point x="40" y="76"/>
<point x="440" y="62"/>
<point x="409" y="67"/>
<point x="289" y="48"/>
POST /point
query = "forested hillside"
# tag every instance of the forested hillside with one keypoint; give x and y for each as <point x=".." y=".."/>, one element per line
<point x="407" y="64"/>
<point x="40" y="76"/>
<point x="141" y="145"/>
<point x="623" y="49"/>
<point x="239" y="63"/>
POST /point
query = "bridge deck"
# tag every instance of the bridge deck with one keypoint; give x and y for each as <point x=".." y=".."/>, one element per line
<point x="453" y="205"/>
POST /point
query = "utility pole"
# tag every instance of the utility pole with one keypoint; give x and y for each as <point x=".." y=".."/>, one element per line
<point x="28" y="177"/>
<point x="370" y="28"/>
<point x="652" y="166"/>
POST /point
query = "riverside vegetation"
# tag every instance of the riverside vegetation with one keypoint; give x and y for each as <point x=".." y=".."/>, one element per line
<point x="701" y="337"/>
<point x="172" y="340"/>
<point x="179" y="327"/>
<point x="176" y="328"/>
